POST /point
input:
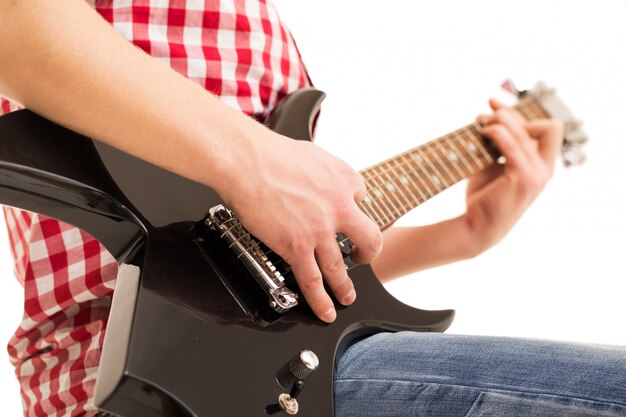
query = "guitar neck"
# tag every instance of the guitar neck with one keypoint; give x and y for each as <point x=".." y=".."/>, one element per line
<point x="403" y="182"/>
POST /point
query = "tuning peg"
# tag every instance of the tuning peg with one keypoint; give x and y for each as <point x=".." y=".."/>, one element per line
<point x="571" y="126"/>
<point x="510" y="87"/>
<point x="573" y="156"/>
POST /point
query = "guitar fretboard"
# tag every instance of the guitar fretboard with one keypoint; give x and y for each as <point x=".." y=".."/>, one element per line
<point x="399" y="184"/>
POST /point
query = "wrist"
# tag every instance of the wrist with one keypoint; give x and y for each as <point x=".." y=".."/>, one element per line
<point x="479" y="234"/>
<point x="238" y="157"/>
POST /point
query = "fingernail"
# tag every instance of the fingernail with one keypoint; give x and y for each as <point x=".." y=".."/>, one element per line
<point x="349" y="299"/>
<point x="330" y="315"/>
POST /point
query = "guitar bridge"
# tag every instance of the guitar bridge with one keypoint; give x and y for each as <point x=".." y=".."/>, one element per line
<point x="254" y="256"/>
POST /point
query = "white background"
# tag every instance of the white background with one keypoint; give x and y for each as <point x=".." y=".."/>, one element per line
<point x="399" y="73"/>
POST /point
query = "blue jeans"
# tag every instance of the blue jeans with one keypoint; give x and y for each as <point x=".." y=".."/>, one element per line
<point x="426" y="374"/>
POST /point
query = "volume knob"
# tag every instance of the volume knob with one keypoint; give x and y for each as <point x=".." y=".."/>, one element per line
<point x="298" y="368"/>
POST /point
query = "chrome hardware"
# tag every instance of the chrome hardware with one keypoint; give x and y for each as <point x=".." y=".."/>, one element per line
<point x="288" y="404"/>
<point x="297" y="369"/>
<point x="291" y="376"/>
<point x="574" y="135"/>
<point x="509" y="86"/>
<point x="247" y="249"/>
<point x="573" y="156"/>
<point x="304" y="364"/>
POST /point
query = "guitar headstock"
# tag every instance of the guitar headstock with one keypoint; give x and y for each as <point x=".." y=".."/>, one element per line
<point x="555" y="108"/>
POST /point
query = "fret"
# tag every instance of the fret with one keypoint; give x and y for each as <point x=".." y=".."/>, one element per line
<point x="530" y="108"/>
<point x="403" y="174"/>
<point x="440" y="161"/>
<point x="378" y="195"/>
<point x="393" y="187"/>
<point x="370" y="211"/>
<point x="371" y="201"/>
<point x="382" y="209"/>
<point x="403" y="182"/>
<point x="420" y="185"/>
<point x="412" y="159"/>
<point x="385" y="192"/>
<point x="452" y="143"/>
<point x="434" y="174"/>
<point x="539" y="113"/>
<point x="380" y="216"/>
<point x="384" y="215"/>
<point x="472" y="147"/>
<point x="526" y="110"/>
<point x="477" y="140"/>
<point x="459" y="175"/>
<point x="472" y="155"/>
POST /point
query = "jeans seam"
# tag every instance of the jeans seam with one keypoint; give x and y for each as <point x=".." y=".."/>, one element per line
<point x="471" y="409"/>
<point x="483" y="389"/>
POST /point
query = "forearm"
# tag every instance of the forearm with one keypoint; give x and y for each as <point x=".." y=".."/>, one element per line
<point x="496" y="198"/>
<point x="63" y="61"/>
<point x="411" y="249"/>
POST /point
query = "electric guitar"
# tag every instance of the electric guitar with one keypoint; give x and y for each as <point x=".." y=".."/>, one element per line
<point x="207" y="321"/>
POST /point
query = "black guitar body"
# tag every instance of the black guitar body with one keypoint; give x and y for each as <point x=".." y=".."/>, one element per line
<point x="181" y="341"/>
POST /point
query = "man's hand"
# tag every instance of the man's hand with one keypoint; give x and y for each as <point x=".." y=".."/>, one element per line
<point x="295" y="197"/>
<point x="292" y="195"/>
<point x="497" y="197"/>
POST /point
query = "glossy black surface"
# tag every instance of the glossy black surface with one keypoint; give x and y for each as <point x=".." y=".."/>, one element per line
<point x="50" y="170"/>
<point x="192" y="350"/>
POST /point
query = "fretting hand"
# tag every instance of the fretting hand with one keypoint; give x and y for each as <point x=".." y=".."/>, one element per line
<point x="498" y="196"/>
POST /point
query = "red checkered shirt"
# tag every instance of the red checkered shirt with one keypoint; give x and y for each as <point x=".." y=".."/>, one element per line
<point x="238" y="49"/>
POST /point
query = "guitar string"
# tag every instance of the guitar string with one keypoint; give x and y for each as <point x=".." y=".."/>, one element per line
<point x="429" y="188"/>
<point x="377" y="171"/>
<point x="431" y="160"/>
<point x="523" y="106"/>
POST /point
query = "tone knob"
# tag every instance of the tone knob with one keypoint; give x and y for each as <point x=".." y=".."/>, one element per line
<point x="298" y="368"/>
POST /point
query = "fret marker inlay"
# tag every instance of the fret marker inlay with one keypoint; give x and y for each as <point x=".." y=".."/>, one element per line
<point x="401" y="183"/>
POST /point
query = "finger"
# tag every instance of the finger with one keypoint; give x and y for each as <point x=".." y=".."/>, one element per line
<point x="498" y="105"/>
<point x="549" y="134"/>
<point x="365" y="236"/>
<point x="508" y="146"/>
<point x="330" y="261"/>
<point x="517" y="127"/>
<point x="508" y="119"/>
<point x="495" y="104"/>
<point x="361" y="190"/>
<point x="309" y="280"/>
<point x="482" y="118"/>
